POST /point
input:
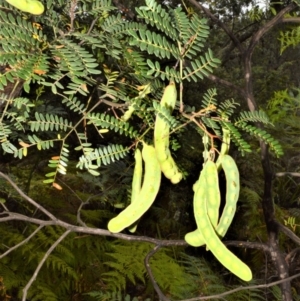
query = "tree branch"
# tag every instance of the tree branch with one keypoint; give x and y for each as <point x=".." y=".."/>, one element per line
<point x="152" y="279"/>
<point x="216" y="20"/>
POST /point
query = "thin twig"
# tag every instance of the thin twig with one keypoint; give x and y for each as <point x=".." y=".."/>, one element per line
<point x="22" y="242"/>
<point x="26" y="197"/>
<point x="242" y="288"/>
<point x="282" y="174"/>
<point x="152" y="279"/>
<point x="47" y="254"/>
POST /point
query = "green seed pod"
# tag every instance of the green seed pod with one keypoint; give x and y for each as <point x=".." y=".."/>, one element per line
<point x="29" y="6"/>
<point x="224" y="147"/>
<point x="226" y="258"/>
<point x="136" y="182"/>
<point x="146" y="196"/>
<point x="213" y="192"/>
<point x="232" y="193"/>
<point x="128" y="113"/>
<point x="161" y="137"/>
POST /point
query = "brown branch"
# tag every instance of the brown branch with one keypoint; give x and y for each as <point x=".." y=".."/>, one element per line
<point x="291" y="20"/>
<point x="227" y="84"/>
<point x="248" y="245"/>
<point x="293" y="253"/>
<point x="276" y="20"/>
<point x="152" y="279"/>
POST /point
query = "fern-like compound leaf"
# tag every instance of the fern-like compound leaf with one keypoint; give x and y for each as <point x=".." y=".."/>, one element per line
<point x="49" y="122"/>
<point x="110" y="122"/>
<point x="94" y="159"/>
<point x="236" y="137"/>
<point x="263" y="135"/>
<point x="165" y="114"/>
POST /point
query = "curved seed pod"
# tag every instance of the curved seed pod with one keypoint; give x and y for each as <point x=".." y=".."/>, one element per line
<point x="35" y="7"/>
<point x="176" y="178"/>
<point x="213" y="192"/>
<point x="161" y="137"/>
<point x="146" y="196"/>
<point x="169" y="97"/>
<point x="210" y="187"/>
<point x="128" y="113"/>
<point x="195" y="238"/>
<point x="136" y="182"/>
<point x="225" y="257"/>
<point x="224" y="147"/>
<point x="232" y="193"/>
<point x="29" y="6"/>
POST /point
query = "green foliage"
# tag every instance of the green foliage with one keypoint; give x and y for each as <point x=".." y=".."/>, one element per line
<point x="208" y="283"/>
<point x="127" y="263"/>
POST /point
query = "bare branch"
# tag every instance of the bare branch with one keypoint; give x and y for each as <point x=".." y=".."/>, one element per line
<point x="293" y="253"/>
<point x="47" y="254"/>
<point x="277" y="19"/>
<point x="248" y="245"/>
<point x="26" y="197"/>
<point x="216" y="20"/>
<point x="293" y="174"/>
<point x="153" y="281"/>
<point x="226" y="83"/>
<point x="22" y="242"/>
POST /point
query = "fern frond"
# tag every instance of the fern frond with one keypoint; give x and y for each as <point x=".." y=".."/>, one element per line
<point x="74" y="104"/>
<point x="98" y="7"/>
<point x="115" y="26"/>
<point x="180" y="22"/>
<point x="136" y="61"/>
<point x="212" y="124"/>
<point x="112" y="296"/>
<point x="199" y="30"/>
<point x="168" y="73"/>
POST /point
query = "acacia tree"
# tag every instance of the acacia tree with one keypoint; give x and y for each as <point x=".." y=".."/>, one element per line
<point x="102" y="71"/>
